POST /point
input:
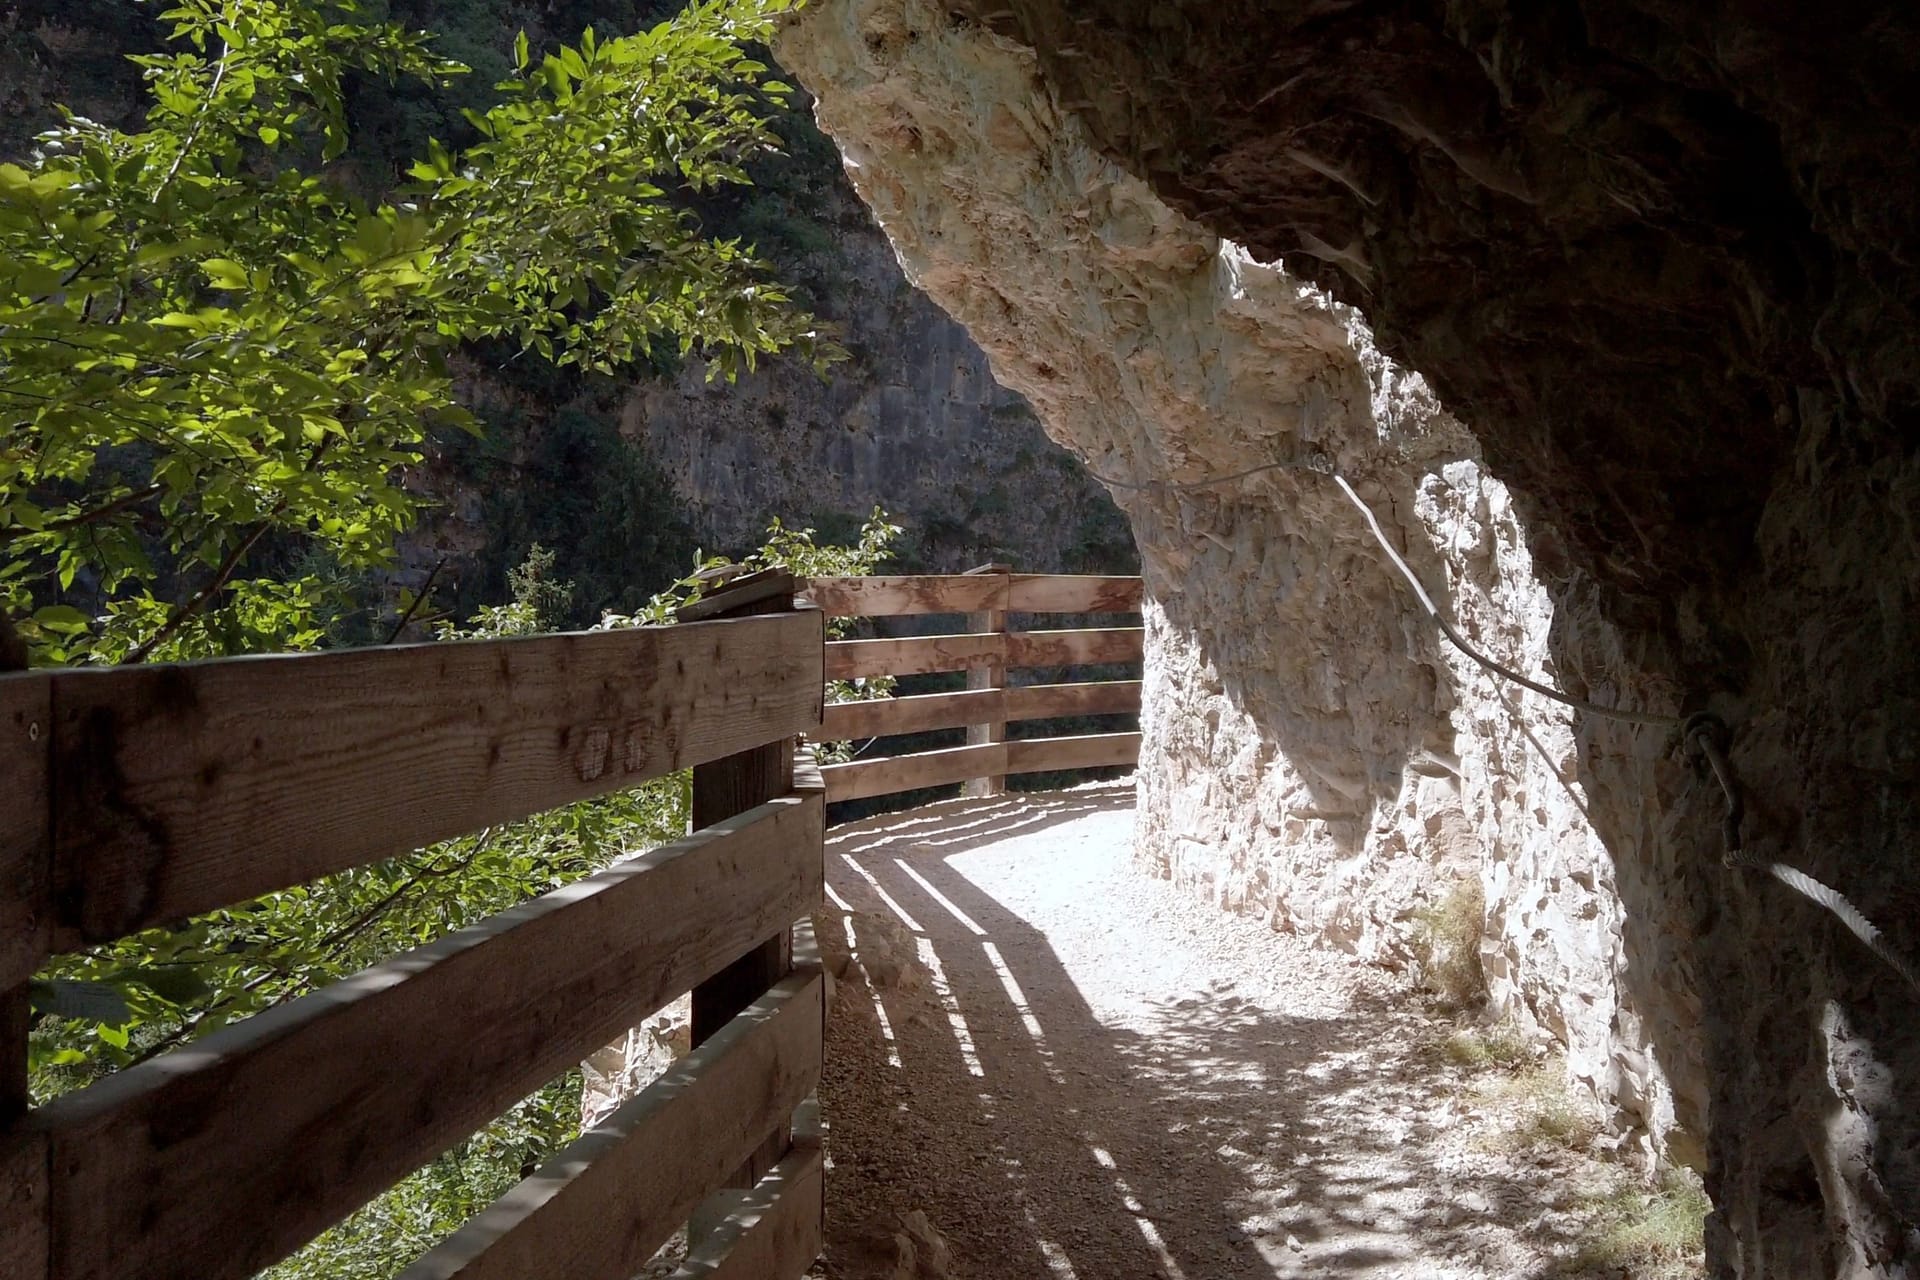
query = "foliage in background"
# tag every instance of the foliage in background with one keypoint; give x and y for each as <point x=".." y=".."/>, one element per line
<point x="563" y="476"/>
<point x="213" y="350"/>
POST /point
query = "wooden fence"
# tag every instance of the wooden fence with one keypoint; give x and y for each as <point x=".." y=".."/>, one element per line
<point x="132" y="798"/>
<point x="985" y="651"/>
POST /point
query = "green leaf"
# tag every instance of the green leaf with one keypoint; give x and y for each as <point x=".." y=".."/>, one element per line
<point x="62" y="618"/>
<point x="224" y="273"/>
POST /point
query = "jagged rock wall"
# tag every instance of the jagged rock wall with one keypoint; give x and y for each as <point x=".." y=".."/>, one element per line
<point x="1313" y="751"/>
<point x="913" y="421"/>
<point x="1660" y="258"/>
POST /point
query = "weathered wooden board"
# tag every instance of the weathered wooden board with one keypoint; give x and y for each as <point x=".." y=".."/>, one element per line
<point x="178" y="789"/>
<point x="1088" y="751"/>
<point x="865" y="778"/>
<point x="918" y="714"/>
<point x="26" y="729"/>
<point x="215" y="1160"/>
<point x="1074" y="648"/>
<point x="1071" y="593"/>
<point x="775" y="1230"/>
<point x="23" y="1205"/>
<point x="987" y="675"/>
<point x="881" y="597"/>
<point x="1093" y="698"/>
<point x="599" y="1208"/>
<point x="917" y="655"/>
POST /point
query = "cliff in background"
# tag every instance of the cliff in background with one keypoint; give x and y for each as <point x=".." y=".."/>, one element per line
<point x="625" y="478"/>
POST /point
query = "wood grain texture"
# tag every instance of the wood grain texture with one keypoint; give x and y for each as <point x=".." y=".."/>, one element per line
<point x="1087" y="751"/>
<point x="217" y="1159"/>
<point x="599" y="1208"/>
<point x="865" y="778"/>
<point x="883" y="597"/>
<point x="917" y="714"/>
<point x="23" y="1205"/>
<point x="1092" y="698"/>
<point x="991" y="674"/>
<point x="1071" y="593"/>
<point x="179" y="789"/>
<point x="26" y="732"/>
<point x="1082" y="647"/>
<point x="914" y="656"/>
<point x="775" y="1231"/>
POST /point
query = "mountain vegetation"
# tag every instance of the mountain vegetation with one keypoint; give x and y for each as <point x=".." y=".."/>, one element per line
<point x="229" y="334"/>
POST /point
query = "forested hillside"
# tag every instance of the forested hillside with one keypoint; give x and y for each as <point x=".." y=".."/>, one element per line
<point x="623" y="476"/>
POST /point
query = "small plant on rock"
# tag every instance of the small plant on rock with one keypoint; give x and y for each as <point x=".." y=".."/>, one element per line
<point x="1446" y="942"/>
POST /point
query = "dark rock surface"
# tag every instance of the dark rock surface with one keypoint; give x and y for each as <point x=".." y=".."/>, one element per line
<point x="1660" y="258"/>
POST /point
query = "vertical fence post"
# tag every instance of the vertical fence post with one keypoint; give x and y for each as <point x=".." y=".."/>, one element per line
<point x="731" y="785"/>
<point x="991" y="674"/>
<point x="26" y="729"/>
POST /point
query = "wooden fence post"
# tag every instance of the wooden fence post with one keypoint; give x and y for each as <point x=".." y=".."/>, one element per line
<point x="26" y="727"/>
<point x="731" y="785"/>
<point x="990" y="674"/>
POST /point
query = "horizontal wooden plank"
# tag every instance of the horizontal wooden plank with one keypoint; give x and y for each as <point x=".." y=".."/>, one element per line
<point x="913" y="656"/>
<point x="884" y="597"/>
<point x="601" y="1207"/>
<point x="1082" y="647"/>
<point x="1071" y="593"/>
<point x="26" y="730"/>
<point x="178" y="789"/>
<point x="1088" y="751"/>
<point x="23" y="1204"/>
<point x="769" y="589"/>
<point x="918" y="714"/>
<point x="219" y="1158"/>
<point x="1093" y="698"/>
<point x="774" y="1231"/>
<point x="863" y="778"/>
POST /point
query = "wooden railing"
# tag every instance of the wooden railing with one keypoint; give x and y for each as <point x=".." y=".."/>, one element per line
<point x="985" y="651"/>
<point x="132" y="798"/>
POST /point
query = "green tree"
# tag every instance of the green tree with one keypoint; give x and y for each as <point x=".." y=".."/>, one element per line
<point x="215" y="356"/>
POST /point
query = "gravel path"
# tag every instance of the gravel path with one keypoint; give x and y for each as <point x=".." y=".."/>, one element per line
<point x="1042" y="1064"/>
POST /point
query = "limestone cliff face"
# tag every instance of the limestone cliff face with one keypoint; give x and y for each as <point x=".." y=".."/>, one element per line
<point x="1313" y="751"/>
<point x="912" y="421"/>
<point x="1659" y="259"/>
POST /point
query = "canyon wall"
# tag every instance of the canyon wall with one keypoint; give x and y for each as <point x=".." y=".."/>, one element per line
<point x="1314" y="752"/>
<point x="912" y="421"/>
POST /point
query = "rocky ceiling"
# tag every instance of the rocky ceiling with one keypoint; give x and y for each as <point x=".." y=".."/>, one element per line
<point x="1619" y="237"/>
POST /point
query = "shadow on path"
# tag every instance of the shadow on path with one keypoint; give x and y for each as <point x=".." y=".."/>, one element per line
<point x="1149" y="1110"/>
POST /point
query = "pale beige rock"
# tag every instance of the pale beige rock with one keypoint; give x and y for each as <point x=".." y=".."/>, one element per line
<point x="1313" y="753"/>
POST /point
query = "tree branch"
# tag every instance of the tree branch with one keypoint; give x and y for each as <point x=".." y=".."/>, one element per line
<point x="418" y="600"/>
<point x="184" y="611"/>
<point x="102" y="512"/>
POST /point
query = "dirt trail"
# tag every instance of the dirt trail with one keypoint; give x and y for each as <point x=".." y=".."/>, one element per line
<point x="1075" y="1073"/>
